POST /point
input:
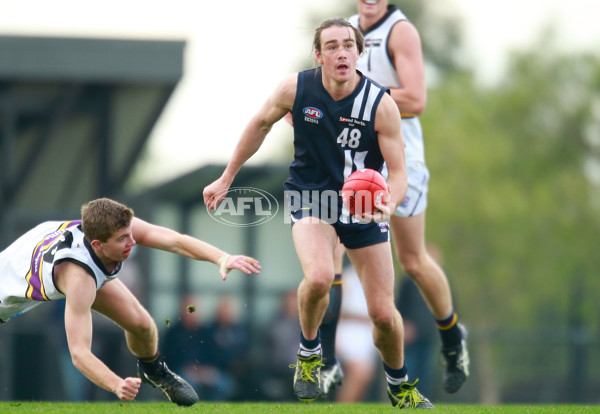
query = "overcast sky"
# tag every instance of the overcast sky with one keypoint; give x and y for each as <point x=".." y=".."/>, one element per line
<point x="237" y="50"/>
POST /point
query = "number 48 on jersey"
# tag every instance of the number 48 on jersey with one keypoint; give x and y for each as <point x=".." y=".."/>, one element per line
<point x="349" y="137"/>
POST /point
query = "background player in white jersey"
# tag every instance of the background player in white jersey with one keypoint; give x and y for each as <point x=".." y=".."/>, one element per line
<point x="327" y="104"/>
<point x="393" y="58"/>
<point x="80" y="260"/>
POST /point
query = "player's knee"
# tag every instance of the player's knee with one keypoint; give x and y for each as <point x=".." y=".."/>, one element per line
<point x="319" y="283"/>
<point x="142" y="325"/>
<point x="384" y="318"/>
<point x="319" y="288"/>
<point x="412" y="265"/>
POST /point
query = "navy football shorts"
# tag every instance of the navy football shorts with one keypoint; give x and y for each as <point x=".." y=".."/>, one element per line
<point x="352" y="235"/>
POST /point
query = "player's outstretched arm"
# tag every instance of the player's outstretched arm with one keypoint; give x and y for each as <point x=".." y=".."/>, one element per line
<point x="158" y="237"/>
<point x="275" y="108"/>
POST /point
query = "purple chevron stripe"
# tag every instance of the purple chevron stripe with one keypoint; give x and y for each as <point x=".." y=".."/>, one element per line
<point x="35" y="290"/>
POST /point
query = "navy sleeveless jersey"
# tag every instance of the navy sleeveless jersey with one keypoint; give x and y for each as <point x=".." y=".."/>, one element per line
<point x="332" y="139"/>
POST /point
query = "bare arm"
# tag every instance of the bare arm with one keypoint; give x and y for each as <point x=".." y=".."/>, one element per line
<point x="404" y="45"/>
<point x="158" y="237"/>
<point x="80" y="290"/>
<point x="391" y="144"/>
<point x="275" y="108"/>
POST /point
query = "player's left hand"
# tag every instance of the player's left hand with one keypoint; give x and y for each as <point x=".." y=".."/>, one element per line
<point x="382" y="212"/>
<point x="246" y="264"/>
<point x="128" y="388"/>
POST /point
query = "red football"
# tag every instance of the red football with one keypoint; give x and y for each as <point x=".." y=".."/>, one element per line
<point x="363" y="189"/>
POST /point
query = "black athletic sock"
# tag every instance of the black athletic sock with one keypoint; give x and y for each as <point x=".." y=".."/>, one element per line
<point x="150" y="365"/>
<point x="395" y="377"/>
<point x="309" y="347"/>
<point x="330" y="321"/>
<point x="449" y="331"/>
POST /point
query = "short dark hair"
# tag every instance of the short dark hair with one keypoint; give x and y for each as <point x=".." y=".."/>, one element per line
<point x="102" y="218"/>
<point x="341" y="22"/>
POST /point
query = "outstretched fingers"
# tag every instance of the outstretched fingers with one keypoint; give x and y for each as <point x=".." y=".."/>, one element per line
<point x="246" y="264"/>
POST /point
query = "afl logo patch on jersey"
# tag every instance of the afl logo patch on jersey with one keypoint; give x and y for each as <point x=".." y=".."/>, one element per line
<point x="312" y="112"/>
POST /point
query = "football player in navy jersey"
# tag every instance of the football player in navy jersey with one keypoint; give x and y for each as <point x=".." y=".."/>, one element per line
<point x="393" y="58"/>
<point x="80" y="260"/>
<point x="342" y="122"/>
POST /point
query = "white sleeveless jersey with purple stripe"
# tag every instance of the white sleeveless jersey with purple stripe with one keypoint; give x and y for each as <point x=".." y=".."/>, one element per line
<point x="26" y="266"/>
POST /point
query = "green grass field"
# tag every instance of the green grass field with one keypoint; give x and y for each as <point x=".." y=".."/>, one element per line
<point x="251" y="408"/>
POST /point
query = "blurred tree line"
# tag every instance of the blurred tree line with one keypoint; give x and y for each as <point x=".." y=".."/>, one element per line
<point x="513" y="204"/>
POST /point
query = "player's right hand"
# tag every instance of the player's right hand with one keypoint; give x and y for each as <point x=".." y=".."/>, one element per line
<point x="129" y="388"/>
<point x="214" y="193"/>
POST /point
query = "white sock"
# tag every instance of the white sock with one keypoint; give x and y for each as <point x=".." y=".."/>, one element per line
<point x="305" y="352"/>
<point x="396" y="381"/>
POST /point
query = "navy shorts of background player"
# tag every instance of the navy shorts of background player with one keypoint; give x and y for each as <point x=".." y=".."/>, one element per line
<point x="332" y="139"/>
